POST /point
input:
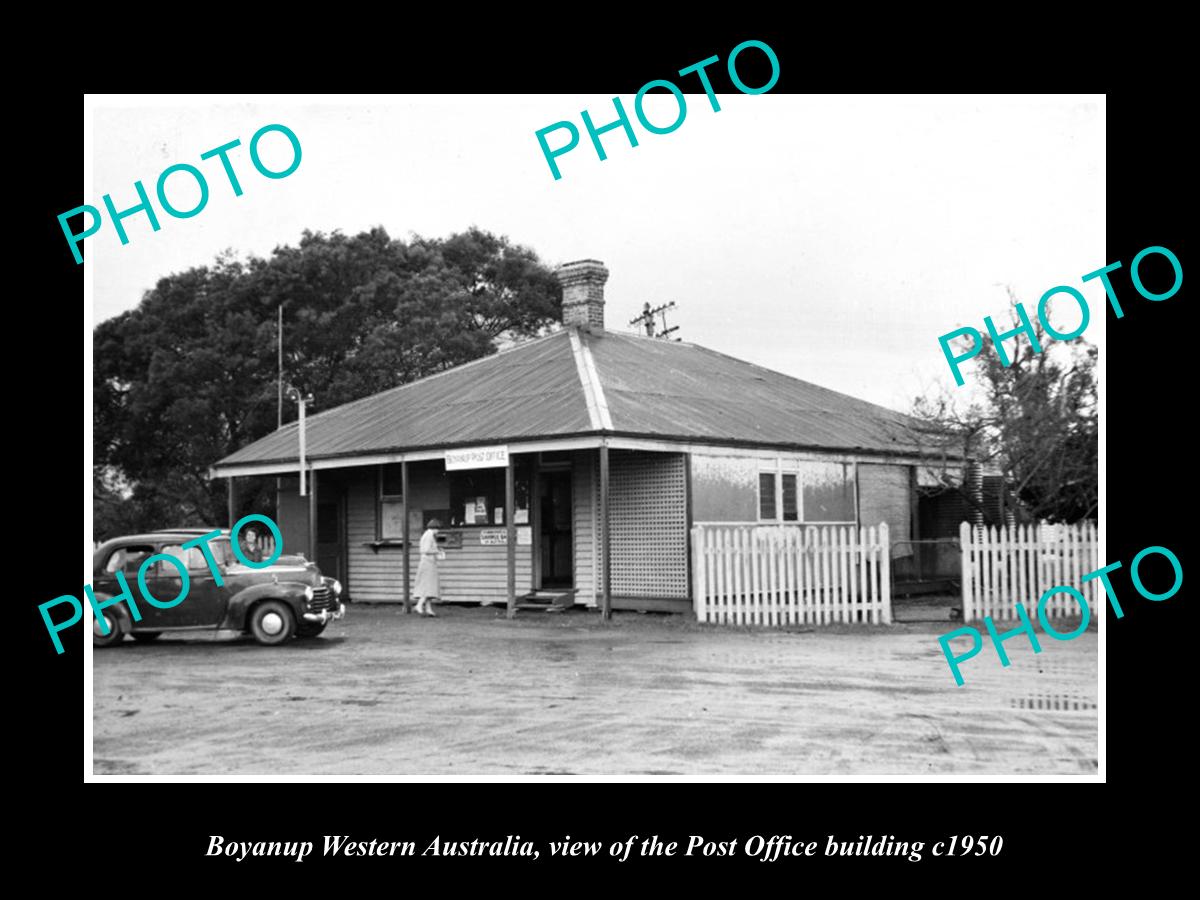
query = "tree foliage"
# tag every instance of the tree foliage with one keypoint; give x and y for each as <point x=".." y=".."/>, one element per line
<point x="190" y="375"/>
<point x="1034" y="421"/>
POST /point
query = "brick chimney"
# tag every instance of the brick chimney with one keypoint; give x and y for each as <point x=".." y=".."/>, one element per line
<point x="583" y="293"/>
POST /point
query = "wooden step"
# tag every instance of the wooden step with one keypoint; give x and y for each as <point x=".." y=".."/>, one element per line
<point x="546" y="600"/>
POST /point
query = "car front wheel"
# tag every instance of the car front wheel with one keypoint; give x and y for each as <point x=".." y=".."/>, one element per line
<point x="115" y="631"/>
<point x="272" y="622"/>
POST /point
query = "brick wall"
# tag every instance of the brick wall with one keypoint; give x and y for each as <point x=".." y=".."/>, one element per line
<point x="885" y="495"/>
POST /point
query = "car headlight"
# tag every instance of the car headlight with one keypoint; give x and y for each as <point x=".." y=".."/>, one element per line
<point x="308" y="593"/>
<point x="335" y="585"/>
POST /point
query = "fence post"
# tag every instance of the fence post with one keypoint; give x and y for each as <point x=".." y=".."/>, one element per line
<point x="885" y="580"/>
<point x="717" y="587"/>
<point x="856" y="614"/>
<point x="1006" y="597"/>
<point x="738" y="613"/>
<point x="968" y="574"/>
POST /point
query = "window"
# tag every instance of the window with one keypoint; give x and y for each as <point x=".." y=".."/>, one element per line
<point x="766" y="496"/>
<point x="791" y="511"/>
<point x="810" y="492"/>
<point x="128" y="559"/>
<point x="192" y="559"/>
<point x="391" y="502"/>
<point x="393" y="480"/>
<point x="477" y="495"/>
<point x="222" y="550"/>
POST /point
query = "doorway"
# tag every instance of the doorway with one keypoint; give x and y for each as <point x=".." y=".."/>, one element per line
<point x="330" y="558"/>
<point x="554" y="529"/>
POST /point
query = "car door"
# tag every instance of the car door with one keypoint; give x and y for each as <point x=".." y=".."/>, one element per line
<point x="204" y="605"/>
<point x="127" y="560"/>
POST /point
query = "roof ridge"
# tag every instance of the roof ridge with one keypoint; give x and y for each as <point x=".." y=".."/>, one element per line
<point x="589" y="378"/>
<point x="408" y="384"/>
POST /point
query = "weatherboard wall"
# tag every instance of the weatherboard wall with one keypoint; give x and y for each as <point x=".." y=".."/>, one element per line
<point x="474" y="572"/>
<point x="585" y="491"/>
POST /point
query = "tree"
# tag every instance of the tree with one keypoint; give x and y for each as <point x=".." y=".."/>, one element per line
<point x="190" y="374"/>
<point x="1035" y="421"/>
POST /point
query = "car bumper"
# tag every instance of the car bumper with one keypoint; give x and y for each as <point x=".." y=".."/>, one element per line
<point x="325" y="615"/>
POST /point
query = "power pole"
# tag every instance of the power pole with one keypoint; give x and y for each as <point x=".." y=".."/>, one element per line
<point x="302" y="400"/>
<point x="279" y="332"/>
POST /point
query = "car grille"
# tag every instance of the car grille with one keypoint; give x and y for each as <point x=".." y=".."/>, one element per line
<point x="322" y="599"/>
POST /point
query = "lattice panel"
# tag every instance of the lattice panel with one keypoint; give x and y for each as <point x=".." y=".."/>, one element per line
<point x="648" y="510"/>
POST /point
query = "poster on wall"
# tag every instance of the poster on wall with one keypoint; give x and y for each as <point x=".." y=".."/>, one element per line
<point x="492" y="536"/>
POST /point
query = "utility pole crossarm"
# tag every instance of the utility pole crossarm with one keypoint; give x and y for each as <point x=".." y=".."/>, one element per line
<point x="646" y="320"/>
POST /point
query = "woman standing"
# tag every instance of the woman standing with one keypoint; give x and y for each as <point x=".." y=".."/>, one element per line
<point x="428" y="587"/>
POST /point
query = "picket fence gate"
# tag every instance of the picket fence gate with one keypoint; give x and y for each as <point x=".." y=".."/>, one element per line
<point x="1005" y="566"/>
<point x="791" y="574"/>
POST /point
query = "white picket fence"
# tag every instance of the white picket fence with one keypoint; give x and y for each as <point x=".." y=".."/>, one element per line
<point x="791" y="574"/>
<point x="1004" y="566"/>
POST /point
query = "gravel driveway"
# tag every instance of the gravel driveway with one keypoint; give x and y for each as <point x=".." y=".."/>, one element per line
<point x="471" y="692"/>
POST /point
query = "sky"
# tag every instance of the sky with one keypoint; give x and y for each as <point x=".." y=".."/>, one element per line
<point x="832" y="238"/>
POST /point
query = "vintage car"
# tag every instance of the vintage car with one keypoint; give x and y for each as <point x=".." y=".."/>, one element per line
<point x="290" y="598"/>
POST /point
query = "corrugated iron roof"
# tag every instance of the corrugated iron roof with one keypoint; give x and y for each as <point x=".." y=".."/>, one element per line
<point x="653" y="388"/>
<point x="529" y="391"/>
<point x="669" y="388"/>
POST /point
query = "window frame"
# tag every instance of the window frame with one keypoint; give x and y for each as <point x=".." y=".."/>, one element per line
<point x="775" y="482"/>
<point x="522" y="482"/>
<point x="125" y="549"/>
<point x="189" y="553"/>
<point x="380" y="499"/>
<point x="798" y="498"/>
<point x="781" y="467"/>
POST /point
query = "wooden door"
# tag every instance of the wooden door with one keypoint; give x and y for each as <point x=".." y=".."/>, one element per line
<point x="330" y="534"/>
<point x="554" y="527"/>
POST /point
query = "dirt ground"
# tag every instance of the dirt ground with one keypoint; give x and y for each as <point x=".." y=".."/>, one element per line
<point x="472" y="693"/>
